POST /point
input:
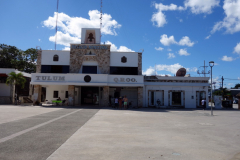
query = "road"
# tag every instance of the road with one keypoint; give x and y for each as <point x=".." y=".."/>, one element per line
<point x="37" y="137"/>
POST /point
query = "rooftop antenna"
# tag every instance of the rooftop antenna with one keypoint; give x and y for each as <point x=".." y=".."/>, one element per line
<point x="101" y="21"/>
<point x="56" y="26"/>
<point x="204" y="70"/>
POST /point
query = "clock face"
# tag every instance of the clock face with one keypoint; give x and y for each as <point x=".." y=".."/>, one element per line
<point x="87" y="78"/>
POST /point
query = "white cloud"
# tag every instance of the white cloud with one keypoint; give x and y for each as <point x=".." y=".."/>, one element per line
<point x="64" y="39"/>
<point x="194" y="69"/>
<point x="170" y="68"/>
<point x="121" y="48"/>
<point x="208" y="37"/>
<point x="231" y="22"/>
<point x="237" y="49"/>
<point x="150" y="71"/>
<point x="183" y="52"/>
<point x="158" y="18"/>
<point x="70" y="27"/>
<point x="167" y="41"/>
<point x="159" y="48"/>
<point x="196" y="6"/>
<point x="171" y="55"/>
<point x="39" y="40"/>
<point x="169" y="50"/>
<point x="226" y="58"/>
<point x="180" y="20"/>
<point x="66" y="48"/>
<point x="238" y="78"/>
<point x="185" y="41"/>
<point x="201" y="6"/>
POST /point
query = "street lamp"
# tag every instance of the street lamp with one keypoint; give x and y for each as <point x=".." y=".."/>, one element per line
<point x="211" y="64"/>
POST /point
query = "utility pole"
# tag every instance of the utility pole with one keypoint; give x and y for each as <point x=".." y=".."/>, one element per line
<point x="222" y="88"/>
<point x="203" y="71"/>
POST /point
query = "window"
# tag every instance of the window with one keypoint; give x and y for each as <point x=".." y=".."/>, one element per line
<point x="3" y="79"/>
<point x="54" y="69"/>
<point x="123" y="59"/>
<point x="55" y="58"/>
<point x="89" y="69"/>
<point x="124" y="70"/>
<point x="66" y="94"/>
<point x="55" y="94"/>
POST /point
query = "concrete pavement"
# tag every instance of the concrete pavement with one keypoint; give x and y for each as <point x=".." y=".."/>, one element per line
<point x="124" y="134"/>
<point x="155" y="134"/>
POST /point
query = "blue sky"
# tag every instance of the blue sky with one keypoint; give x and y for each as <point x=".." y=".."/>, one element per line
<point x="173" y="33"/>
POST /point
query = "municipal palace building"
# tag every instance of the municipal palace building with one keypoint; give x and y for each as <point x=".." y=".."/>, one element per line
<point x="91" y="74"/>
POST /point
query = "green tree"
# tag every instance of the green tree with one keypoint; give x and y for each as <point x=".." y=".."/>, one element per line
<point x="16" y="79"/>
<point x="237" y="85"/>
<point x="12" y="57"/>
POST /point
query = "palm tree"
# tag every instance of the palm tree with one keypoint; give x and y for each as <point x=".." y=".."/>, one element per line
<point x="16" y="79"/>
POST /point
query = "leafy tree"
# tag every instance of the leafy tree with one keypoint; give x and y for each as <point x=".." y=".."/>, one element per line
<point x="237" y="85"/>
<point x="16" y="79"/>
<point x="12" y="57"/>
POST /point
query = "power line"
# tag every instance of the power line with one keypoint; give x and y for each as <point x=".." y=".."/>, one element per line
<point x="232" y="79"/>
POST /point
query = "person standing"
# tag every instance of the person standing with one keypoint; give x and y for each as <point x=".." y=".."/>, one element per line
<point x="116" y="102"/>
<point x="203" y="103"/>
<point x="15" y="98"/>
<point x="120" y="102"/>
<point x="125" y="102"/>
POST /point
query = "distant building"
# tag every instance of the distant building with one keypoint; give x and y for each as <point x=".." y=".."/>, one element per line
<point x="7" y="92"/>
<point x="92" y="74"/>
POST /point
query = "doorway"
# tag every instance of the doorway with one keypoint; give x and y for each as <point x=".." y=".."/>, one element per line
<point x="90" y="95"/>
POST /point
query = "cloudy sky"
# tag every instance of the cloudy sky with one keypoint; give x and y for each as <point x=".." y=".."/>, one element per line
<point x="172" y="33"/>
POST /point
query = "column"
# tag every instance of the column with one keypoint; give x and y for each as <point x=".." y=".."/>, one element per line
<point x="37" y="94"/>
<point x="71" y="95"/>
<point x="105" y="96"/>
<point x="140" y="97"/>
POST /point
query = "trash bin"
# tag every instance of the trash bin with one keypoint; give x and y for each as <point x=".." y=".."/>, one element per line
<point x="227" y="104"/>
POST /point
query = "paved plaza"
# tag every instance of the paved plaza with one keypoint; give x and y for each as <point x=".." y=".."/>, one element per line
<point x="55" y="133"/>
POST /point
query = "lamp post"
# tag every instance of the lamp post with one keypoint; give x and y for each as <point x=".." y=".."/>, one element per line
<point x="211" y="64"/>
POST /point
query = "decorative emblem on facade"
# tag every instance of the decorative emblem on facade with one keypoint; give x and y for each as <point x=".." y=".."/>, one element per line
<point x="90" y="37"/>
<point x="87" y="78"/>
<point x="124" y="59"/>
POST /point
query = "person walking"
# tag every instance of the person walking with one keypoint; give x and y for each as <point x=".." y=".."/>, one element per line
<point x="125" y="102"/>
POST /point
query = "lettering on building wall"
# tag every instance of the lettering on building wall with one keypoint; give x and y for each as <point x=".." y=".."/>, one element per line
<point x="50" y="78"/>
<point x="119" y="80"/>
<point x="88" y="47"/>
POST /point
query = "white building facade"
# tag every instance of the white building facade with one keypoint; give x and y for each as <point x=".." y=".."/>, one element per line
<point x="7" y="92"/>
<point x="90" y="74"/>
